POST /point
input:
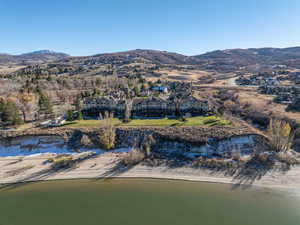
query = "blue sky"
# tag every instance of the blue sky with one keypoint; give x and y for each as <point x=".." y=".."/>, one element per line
<point x="86" y="27"/>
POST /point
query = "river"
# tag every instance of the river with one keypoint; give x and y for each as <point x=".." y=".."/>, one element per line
<point x="144" y="202"/>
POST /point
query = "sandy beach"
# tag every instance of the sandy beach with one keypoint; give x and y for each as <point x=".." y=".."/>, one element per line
<point x="36" y="168"/>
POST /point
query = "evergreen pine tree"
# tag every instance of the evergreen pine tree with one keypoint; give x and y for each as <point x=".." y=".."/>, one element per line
<point x="70" y="115"/>
<point x="45" y="107"/>
<point x="80" y="116"/>
<point x="9" y="113"/>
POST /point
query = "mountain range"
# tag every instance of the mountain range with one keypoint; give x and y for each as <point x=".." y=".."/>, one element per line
<point x="32" y="57"/>
<point x="222" y="60"/>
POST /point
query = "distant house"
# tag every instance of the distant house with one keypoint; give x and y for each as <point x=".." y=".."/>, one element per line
<point x="272" y="82"/>
<point x="45" y="123"/>
<point x="280" y="67"/>
<point x="160" y="89"/>
<point x="258" y="81"/>
<point x="296" y="77"/>
<point x="59" y="121"/>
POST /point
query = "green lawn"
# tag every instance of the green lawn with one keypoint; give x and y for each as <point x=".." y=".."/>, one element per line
<point x="193" y="121"/>
<point x="89" y="123"/>
<point x="206" y="120"/>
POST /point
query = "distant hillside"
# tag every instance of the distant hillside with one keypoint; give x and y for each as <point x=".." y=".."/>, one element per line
<point x="225" y="60"/>
<point x="6" y="58"/>
<point x="148" y="62"/>
<point x="235" y="58"/>
<point x="32" y="57"/>
<point x="138" y="55"/>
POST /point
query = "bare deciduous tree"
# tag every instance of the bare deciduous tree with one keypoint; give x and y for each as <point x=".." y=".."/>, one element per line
<point x="108" y="135"/>
<point x="128" y="109"/>
<point x="279" y="137"/>
<point x="25" y="103"/>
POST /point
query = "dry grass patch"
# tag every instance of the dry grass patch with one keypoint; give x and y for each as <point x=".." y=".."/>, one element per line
<point x="19" y="170"/>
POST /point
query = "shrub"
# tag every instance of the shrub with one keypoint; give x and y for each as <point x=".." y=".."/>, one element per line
<point x="287" y="158"/>
<point x="214" y="163"/>
<point x="236" y="156"/>
<point x="147" y="144"/>
<point x="50" y="160"/>
<point x="262" y="158"/>
<point x="133" y="157"/>
<point x="182" y="119"/>
<point x="126" y="120"/>
<point x="62" y="162"/>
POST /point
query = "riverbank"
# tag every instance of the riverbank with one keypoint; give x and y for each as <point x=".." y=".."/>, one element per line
<point x="187" y="137"/>
<point x="22" y="164"/>
<point x="35" y="168"/>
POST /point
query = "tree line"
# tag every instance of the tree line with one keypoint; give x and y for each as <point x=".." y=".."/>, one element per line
<point x="14" y="110"/>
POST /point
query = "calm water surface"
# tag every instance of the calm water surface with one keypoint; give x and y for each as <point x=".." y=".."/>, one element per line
<point x="144" y="202"/>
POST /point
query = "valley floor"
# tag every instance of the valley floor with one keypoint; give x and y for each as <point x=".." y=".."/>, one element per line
<point x="17" y="170"/>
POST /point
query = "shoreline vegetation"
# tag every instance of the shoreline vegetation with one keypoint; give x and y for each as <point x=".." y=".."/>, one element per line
<point x="273" y="168"/>
<point x="104" y="167"/>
